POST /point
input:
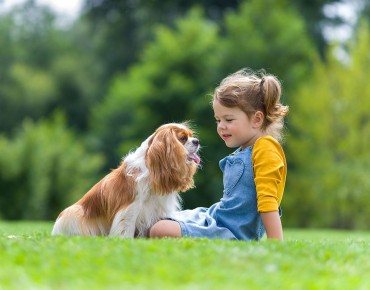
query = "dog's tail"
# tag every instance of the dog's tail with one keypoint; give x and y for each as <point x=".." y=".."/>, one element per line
<point x="72" y="222"/>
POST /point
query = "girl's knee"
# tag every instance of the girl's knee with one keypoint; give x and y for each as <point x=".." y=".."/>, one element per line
<point x="155" y="230"/>
<point x="165" y="228"/>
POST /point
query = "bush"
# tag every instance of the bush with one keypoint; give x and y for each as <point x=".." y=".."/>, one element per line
<point x="328" y="185"/>
<point x="42" y="169"/>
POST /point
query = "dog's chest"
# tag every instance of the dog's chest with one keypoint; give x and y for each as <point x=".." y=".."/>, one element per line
<point x="152" y="208"/>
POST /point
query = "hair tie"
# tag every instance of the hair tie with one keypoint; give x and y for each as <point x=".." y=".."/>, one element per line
<point x="261" y="93"/>
<point x="262" y="82"/>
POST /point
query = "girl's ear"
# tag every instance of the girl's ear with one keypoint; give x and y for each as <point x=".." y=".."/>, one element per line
<point x="257" y="119"/>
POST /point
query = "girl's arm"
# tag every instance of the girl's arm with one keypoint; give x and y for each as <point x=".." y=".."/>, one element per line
<point x="270" y="176"/>
<point x="271" y="221"/>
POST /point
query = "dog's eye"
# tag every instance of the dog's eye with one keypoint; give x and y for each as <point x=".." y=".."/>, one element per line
<point x="183" y="138"/>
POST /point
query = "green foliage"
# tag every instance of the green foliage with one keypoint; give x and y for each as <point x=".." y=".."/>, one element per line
<point x="169" y="84"/>
<point x="43" y="169"/>
<point x="128" y="24"/>
<point x="177" y="74"/>
<point x="328" y="145"/>
<point x="272" y="42"/>
<point x="31" y="258"/>
<point x="26" y="89"/>
<point x="43" y="68"/>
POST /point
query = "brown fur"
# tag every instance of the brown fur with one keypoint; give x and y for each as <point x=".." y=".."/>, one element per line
<point x="113" y="192"/>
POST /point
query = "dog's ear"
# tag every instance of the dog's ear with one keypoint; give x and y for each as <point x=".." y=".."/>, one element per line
<point x="167" y="163"/>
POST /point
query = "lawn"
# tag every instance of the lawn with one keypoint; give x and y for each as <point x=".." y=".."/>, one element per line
<point x="307" y="259"/>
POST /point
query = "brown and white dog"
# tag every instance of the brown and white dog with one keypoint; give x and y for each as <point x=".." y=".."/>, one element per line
<point x="141" y="191"/>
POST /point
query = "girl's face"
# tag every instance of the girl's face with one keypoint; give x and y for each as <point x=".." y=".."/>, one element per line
<point x="234" y="126"/>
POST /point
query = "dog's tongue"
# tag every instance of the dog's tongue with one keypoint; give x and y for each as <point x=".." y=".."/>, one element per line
<point x="194" y="157"/>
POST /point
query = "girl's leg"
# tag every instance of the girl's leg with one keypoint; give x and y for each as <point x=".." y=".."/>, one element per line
<point x="165" y="228"/>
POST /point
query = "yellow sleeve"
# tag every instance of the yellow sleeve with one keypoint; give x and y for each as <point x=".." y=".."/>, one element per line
<point x="270" y="171"/>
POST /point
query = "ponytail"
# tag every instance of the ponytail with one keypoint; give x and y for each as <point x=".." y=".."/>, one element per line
<point x="274" y="111"/>
<point x="271" y="91"/>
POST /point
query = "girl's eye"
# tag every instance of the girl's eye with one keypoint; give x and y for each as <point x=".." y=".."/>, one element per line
<point x="229" y="120"/>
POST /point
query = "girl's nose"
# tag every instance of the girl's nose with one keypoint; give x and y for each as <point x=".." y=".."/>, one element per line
<point x="221" y="126"/>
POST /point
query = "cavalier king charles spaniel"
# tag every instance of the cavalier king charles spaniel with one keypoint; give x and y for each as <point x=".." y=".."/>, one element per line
<point x="141" y="191"/>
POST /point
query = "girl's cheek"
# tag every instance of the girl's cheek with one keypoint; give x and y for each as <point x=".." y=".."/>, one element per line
<point x="218" y="129"/>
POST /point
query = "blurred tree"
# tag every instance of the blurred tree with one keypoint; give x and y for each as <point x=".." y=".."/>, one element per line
<point x="363" y="8"/>
<point x="180" y="69"/>
<point x="43" y="169"/>
<point x="270" y="42"/>
<point x="26" y="92"/>
<point x="365" y="14"/>
<point x="315" y="18"/>
<point x="128" y="24"/>
<point x="177" y="68"/>
<point x="26" y="88"/>
<point x="43" y="68"/>
<point x="330" y="126"/>
<point x="77" y="87"/>
<point x="170" y="83"/>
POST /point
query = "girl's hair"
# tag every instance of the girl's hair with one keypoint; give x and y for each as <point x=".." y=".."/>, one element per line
<point x="252" y="92"/>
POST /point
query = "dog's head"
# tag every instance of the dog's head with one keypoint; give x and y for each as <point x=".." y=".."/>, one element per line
<point x="172" y="158"/>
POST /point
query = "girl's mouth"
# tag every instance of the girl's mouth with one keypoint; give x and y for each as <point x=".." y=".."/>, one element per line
<point x="225" y="136"/>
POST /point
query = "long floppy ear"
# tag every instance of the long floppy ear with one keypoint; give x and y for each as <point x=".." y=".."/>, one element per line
<point x="166" y="161"/>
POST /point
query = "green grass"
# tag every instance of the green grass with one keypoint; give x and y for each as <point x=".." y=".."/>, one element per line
<point x="32" y="259"/>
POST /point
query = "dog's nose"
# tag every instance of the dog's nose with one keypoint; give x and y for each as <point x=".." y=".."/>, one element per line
<point x="195" y="142"/>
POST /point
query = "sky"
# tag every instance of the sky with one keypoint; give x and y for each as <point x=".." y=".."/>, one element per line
<point x="68" y="8"/>
<point x="345" y="10"/>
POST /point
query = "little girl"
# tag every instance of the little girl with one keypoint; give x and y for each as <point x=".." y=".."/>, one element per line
<point x="249" y="117"/>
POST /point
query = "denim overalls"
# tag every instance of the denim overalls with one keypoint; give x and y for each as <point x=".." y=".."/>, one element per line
<point x="235" y="216"/>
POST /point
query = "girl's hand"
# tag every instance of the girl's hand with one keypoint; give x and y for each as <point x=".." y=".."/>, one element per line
<point x="271" y="221"/>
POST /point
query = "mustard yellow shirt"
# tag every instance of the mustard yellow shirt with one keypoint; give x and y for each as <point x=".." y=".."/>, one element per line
<point x="270" y="170"/>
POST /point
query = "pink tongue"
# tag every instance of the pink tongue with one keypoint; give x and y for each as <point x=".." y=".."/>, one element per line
<point x="194" y="157"/>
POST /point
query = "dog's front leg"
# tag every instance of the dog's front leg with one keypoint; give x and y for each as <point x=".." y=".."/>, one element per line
<point x="124" y="223"/>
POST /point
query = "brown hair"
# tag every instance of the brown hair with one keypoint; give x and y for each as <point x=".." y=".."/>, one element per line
<point x="252" y="92"/>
